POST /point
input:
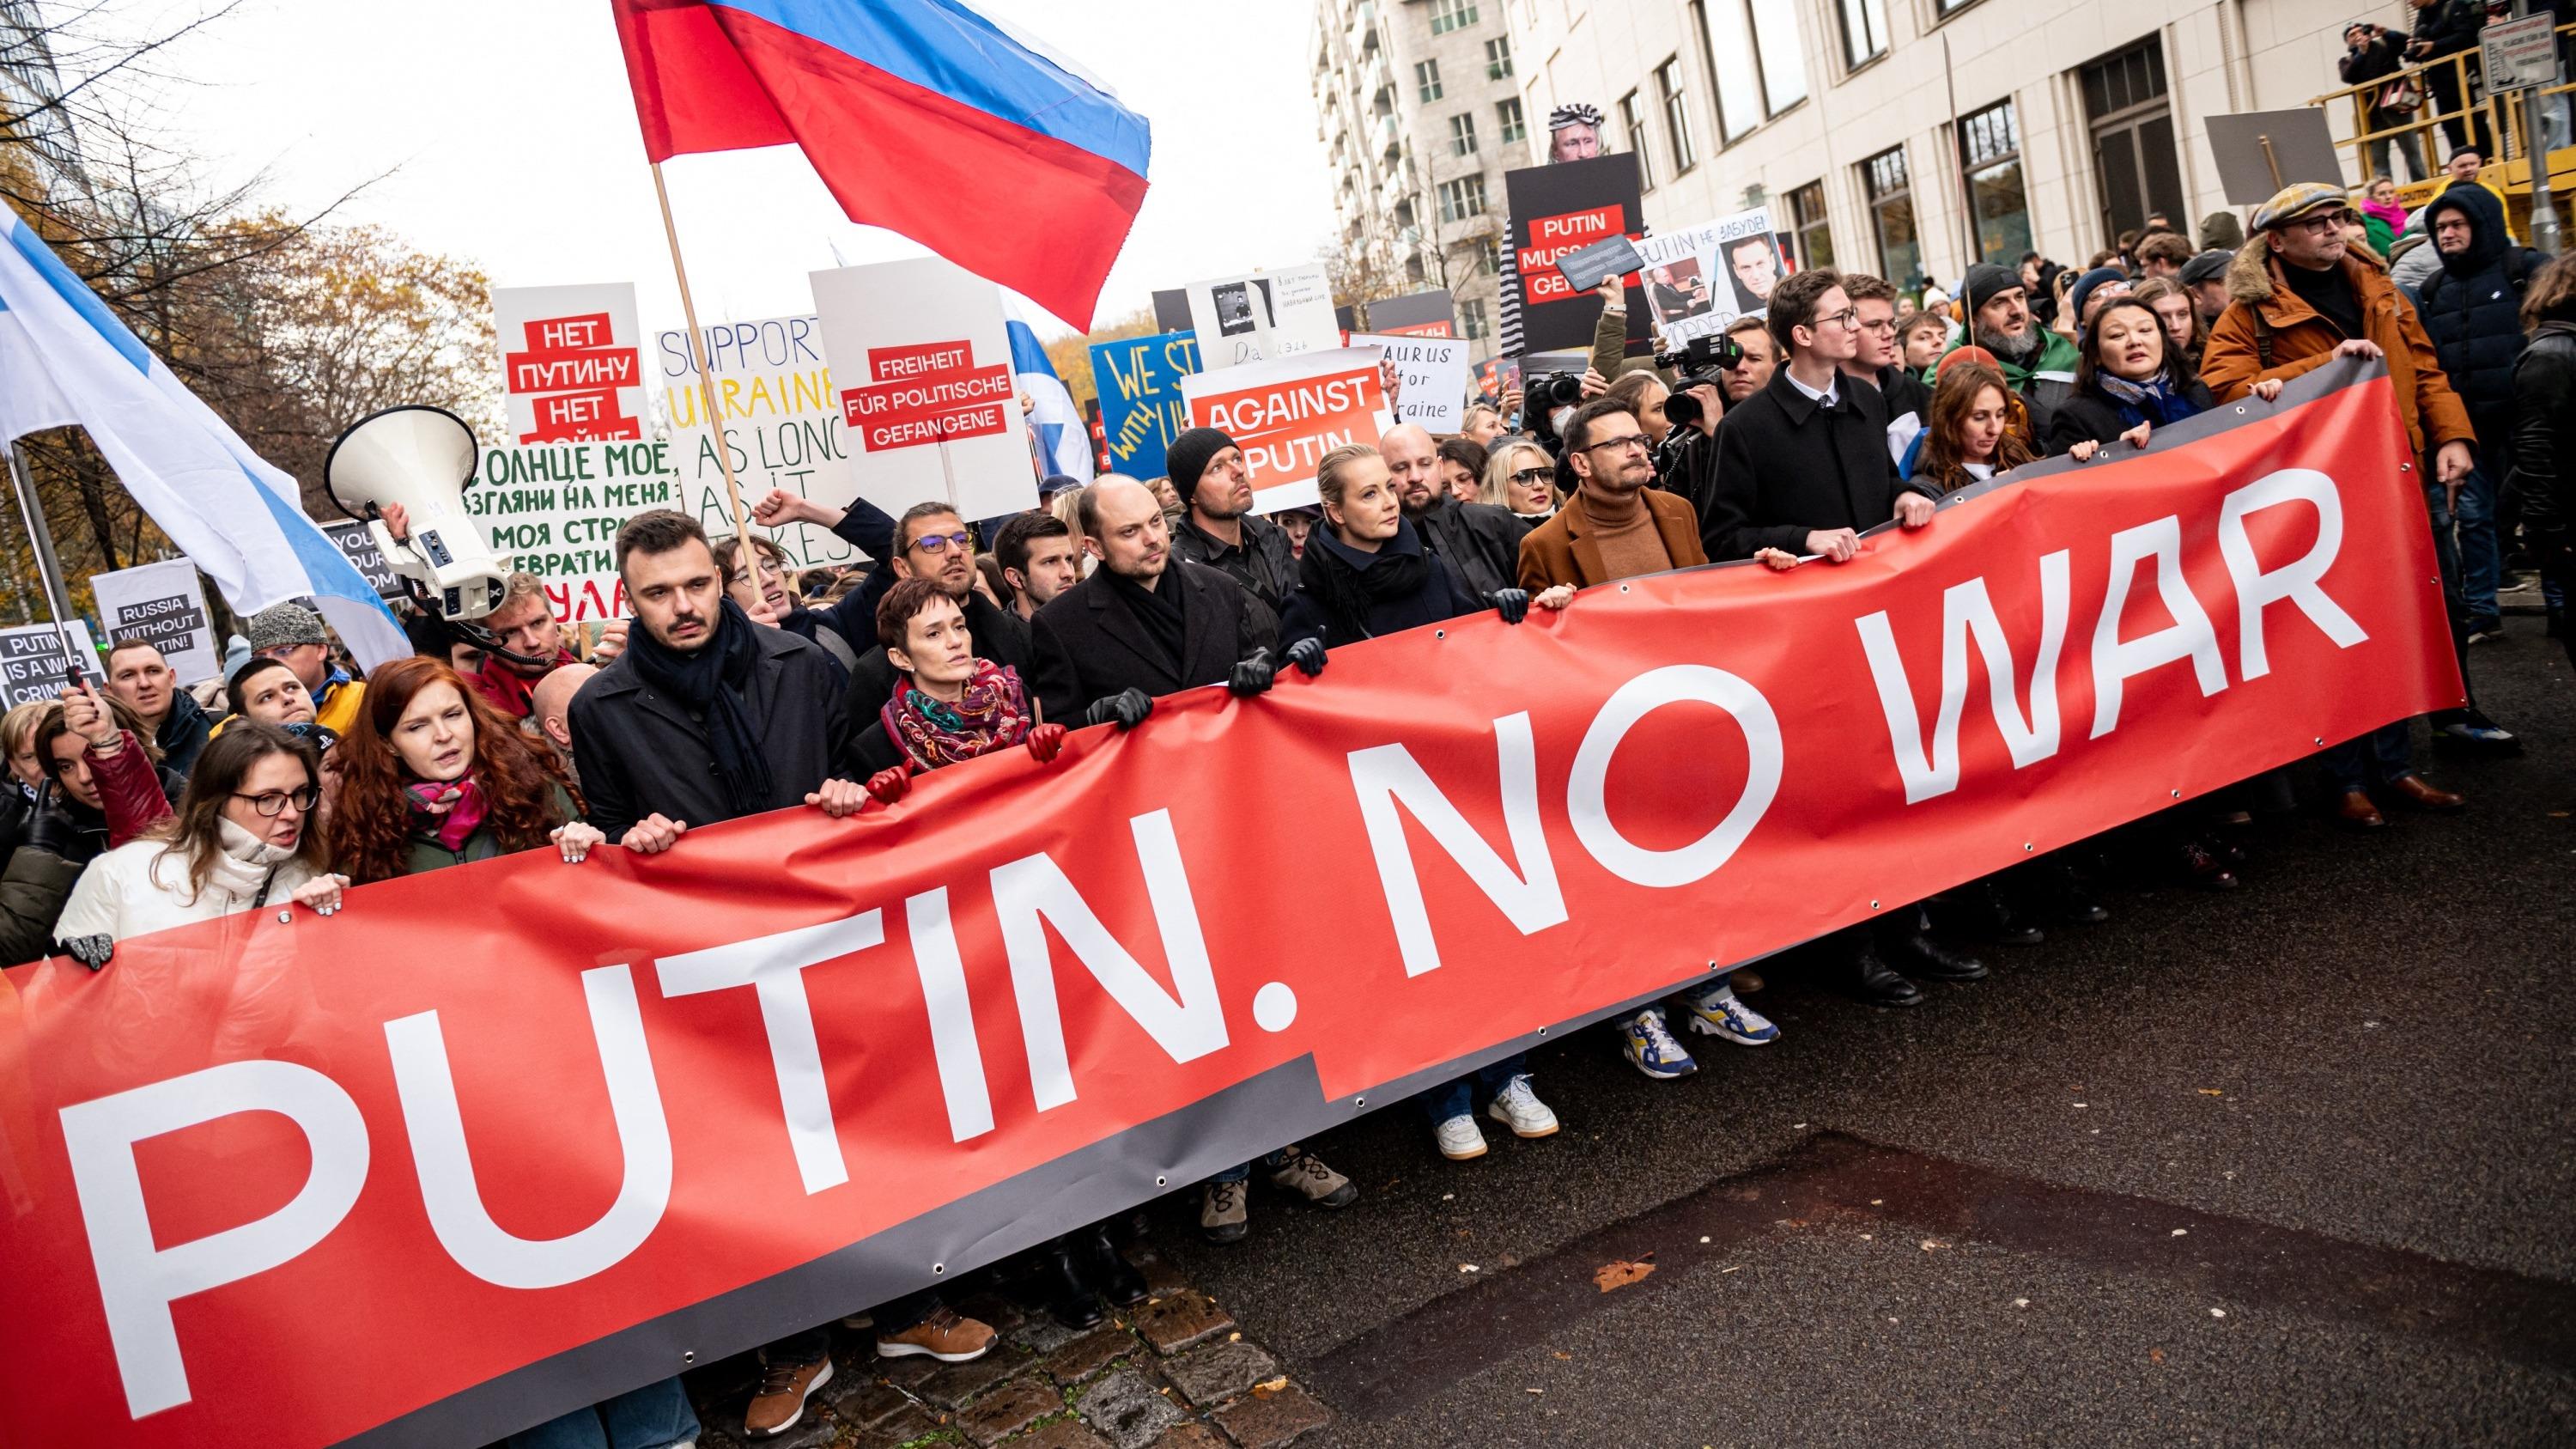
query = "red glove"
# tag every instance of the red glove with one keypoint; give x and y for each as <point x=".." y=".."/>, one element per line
<point x="1044" y="741"/>
<point x="891" y="785"/>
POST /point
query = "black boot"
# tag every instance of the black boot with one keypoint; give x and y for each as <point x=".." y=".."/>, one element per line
<point x="1062" y="1287"/>
<point x="2195" y="864"/>
<point x="1996" y="919"/>
<point x="1879" y="985"/>
<point x="1108" y="1270"/>
<point x="2069" y="898"/>
<point x="1926" y="957"/>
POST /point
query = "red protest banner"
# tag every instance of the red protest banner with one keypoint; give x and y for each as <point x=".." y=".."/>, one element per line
<point x="1286" y="413"/>
<point x="440" y="1171"/>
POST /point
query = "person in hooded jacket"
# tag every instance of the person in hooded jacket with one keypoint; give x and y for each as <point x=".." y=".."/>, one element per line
<point x="2544" y="456"/>
<point x="2472" y="309"/>
<point x="242" y="839"/>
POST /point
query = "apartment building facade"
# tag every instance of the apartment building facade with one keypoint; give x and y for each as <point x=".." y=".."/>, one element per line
<point x="1912" y="137"/>
<point x="1419" y="104"/>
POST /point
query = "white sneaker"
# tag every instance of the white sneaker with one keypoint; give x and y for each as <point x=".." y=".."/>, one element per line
<point x="1459" y="1139"/>
<point x="1714" y="1011"/>
<point x="1519" y="1108"/>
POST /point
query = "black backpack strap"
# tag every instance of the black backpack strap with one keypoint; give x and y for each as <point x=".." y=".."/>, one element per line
<point x="2262" y="338"/>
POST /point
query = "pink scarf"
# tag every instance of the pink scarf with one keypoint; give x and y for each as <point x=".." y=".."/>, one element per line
<point x="465" y="809"/>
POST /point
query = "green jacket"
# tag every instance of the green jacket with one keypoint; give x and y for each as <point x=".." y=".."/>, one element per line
<point x="427" y="853"/>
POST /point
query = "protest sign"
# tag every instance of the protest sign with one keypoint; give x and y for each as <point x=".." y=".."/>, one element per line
<point x="358" y="546"/>
<point x="569" y="367"/>
<point x="1433" y="373"/>
<point x="922" y="367"/>
<point x="1415" y="314"/>
<point x="782" y="426"/>
<point x="556" y="508"/>
<point x="773" y="1095"/>
<point x="1141" y="409"/>
<point x="1556" y="210"/>
<point x="163" y="605"/>
<point x="1286" y="414"/>
<point x="31" y="661"/>
<point x="1701" y="278"/>
<point x="1265" y="315"/>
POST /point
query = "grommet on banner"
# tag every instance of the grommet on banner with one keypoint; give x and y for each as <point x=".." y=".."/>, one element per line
<point x="2320" y="739"/>
<point x="1161" y="1181"/>
<point x="1873" y="905"/>
<point x="1623" y="588"/>
<point x="2177" y="794"/>
<point x="1439" y="633"/>
<point x="2405" y="467"/>
<point x="1542" y="1031"/>
<point x="286" y="918"/>
<point x="936" y="1269"/>
<point x="2025" y="847"/>
<point x="688" y="1355"/>
<point x="1359" y="1101"/>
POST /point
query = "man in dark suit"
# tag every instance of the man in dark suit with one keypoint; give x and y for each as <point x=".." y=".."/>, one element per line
<point x="1803" y="467"/>
<point x="931" y="542"/>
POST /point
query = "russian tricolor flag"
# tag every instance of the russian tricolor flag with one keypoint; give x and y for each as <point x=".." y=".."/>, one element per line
<point x="925" y="117"/>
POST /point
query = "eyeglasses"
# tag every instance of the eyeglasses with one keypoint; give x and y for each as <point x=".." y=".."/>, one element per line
<point x="943" y="542"/>
<point x="272" y="803"/>
<point x="1533" y="475"/>
<point x="1847" y="317"/>
<point x="1638" y="441"/>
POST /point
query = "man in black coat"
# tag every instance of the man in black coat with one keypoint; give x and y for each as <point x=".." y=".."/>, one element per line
<point x="2472" y="309"/>
<point x="1803" y="467"/>
<point x="1880" y="362"/>
<point x="2446" y="28"/>
<point x="931" y="542"/>
<point x="1217" y="526"/>
<point x="1144" y="620"/>
<point x="1481" y="541"/>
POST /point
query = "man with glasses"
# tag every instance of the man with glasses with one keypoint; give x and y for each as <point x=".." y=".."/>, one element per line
<point x="1615" y="526"/>
<point x="1803" y="468"/>
<point x="932" y="542"/>
<point x="1878" y="360"/>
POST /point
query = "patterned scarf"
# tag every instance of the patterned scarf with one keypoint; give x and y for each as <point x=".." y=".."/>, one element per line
<point x="2155" y="401"/>
<point x="992" y="715"/>
<point x="450" y="827"/>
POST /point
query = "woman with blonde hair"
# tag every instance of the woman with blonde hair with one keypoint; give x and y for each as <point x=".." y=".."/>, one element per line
<point x="1520" y="479"/>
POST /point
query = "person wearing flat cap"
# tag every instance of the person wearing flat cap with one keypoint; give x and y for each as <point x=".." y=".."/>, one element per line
<point x="2204" y="277"/>
<point x="2038" y="361"/>
<point x="2298" y="300"/>
<point x="1217" y="526"/>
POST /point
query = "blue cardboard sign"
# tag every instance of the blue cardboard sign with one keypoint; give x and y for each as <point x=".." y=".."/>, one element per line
<point x="1141" y="410"/>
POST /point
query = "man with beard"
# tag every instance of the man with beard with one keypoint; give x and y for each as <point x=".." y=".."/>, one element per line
<point x="1481" y="541"/>
<point x="1039" y="561"/>
<point x="932" y="542"/>
<point x="1216" y="526"/>
<point x="2038" y="362"/>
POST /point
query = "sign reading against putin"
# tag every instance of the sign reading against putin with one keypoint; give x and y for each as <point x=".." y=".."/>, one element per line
<point x="1287" y="413"/>
<point x="921" y="372"/>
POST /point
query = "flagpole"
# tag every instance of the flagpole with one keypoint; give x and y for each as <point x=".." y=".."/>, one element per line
<point x="706" y="368"/>
<point x="40" y="543"/>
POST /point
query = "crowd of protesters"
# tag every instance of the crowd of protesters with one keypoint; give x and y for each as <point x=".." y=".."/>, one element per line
<point x="741" y="686"/>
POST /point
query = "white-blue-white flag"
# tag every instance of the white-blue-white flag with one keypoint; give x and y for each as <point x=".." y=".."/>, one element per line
<point x="1063" y="438"/>
<point x="65" y="361"/>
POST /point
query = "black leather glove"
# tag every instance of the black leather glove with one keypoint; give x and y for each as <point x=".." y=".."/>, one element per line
<point x="55" y="830"/>
<point x="91" y="951"/>
<point x="1512" y="604"/>
<point x="1308" y="654"/>
<point x="1128" y="708"/>
<point x="1254" y="675"/>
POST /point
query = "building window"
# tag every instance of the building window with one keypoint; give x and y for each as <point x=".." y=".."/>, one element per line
<point x="1864" y="30"/>
<point x="1462" y="198"/>
<point x="1752" y="49"/>
<point x="1640" y="139"/>
<point x="1462" y="134"/>
<point x="1891" y="215"/>
<point x="1426" y="74"/>
<point x="1498" y="58"/>
<point x="1807" y="221"/>
<point x="1413" y="271"/>
<point x="1990" y="154"/>
<point x="1671" y="88"/>
<point x="2131" y="118"/>
<point x="1489" y="257"/>
<point x="1512" y="128"/>
<point x="1952" y="7"/>
<point x="1471" y="319"/>
<point x="1448" y="15"/>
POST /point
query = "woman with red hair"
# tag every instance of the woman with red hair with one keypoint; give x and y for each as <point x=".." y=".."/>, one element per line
<point x="432" y="777"/>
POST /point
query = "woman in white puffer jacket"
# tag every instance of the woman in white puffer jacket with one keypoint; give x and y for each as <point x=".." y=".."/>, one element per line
<point x="243" y="838"/>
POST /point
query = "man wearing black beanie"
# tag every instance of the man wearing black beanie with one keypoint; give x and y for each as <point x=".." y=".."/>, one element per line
<point x="1217" y="527"/>
<point x="2037" y="361"/>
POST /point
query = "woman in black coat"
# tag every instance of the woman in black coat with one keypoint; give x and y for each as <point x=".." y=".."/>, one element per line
<point x="2128" y="383"/>
<point x="2544" y="455"/>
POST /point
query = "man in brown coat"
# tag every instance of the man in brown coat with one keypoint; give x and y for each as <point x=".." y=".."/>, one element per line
<point x="2297" y="300"/>
<point x="1614" y="526"/>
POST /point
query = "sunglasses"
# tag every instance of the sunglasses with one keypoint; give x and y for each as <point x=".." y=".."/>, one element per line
<point x="1533" y="475"/>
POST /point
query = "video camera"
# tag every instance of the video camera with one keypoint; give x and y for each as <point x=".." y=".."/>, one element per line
<point x="1542" y="395"/>
<point x="1702" y="360"/>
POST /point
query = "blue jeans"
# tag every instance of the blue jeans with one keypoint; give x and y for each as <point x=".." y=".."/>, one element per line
<point x="2481" y="563"/>
<point x="2381" y="756"/>
<point x="645" y="1418"/>
<point x="1272" y="1160"/>
<point x="1458" y="1098"/>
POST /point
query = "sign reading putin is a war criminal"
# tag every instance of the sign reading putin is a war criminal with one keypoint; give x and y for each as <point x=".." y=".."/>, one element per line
<point x="782" y="426"/>
<point x="1287" y="413"/>
<point x="921" y="372"/>
<point x="569" y="364"/>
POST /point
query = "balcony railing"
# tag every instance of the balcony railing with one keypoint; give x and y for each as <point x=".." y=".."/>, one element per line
<point x="2498" y="116"/>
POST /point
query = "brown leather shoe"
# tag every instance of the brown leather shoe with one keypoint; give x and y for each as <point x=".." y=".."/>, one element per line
<point x="2358" y="813"/>
<point x="2413" y="790"/>
<point x="779" y="1402"/>
<point x="944" y="1335"/>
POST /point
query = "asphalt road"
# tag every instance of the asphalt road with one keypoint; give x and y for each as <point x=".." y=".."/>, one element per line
<point x="2288" y="1165"/>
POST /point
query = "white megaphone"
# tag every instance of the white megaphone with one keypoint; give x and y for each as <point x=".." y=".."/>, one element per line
<point x="421" y="458"/>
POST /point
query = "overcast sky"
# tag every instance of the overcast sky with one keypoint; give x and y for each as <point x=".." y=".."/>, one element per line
<point x="511" y="136"/>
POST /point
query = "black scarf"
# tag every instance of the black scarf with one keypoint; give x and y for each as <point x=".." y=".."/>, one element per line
<point x="1344" y="588"/>
<point x="715" y="684"/>
<point x="1158" y="609"/>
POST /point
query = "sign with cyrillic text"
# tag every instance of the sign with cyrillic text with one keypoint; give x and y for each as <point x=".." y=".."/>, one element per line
<point x="1700" y="279"/>
<point x="571" y="371"/>
<point x="163" y="605"/>
<point x="498" y="1141"/>
<point x="1288" y="413"/>
<point x="921" y="372"/>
